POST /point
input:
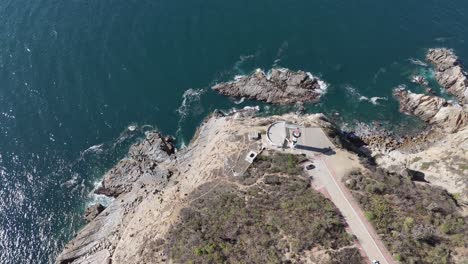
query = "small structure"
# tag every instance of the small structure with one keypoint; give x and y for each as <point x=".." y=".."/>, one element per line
<point x="251" y="156"/>
<point x="282" y="135"/>
<point x="254" y="135"/>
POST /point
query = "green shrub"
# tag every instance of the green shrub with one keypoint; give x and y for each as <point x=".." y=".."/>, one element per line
<point x="408" y="224"/>
<point x="279" y="213"/>
<point x="369" y="215"/>
<point x="419" y="223"/>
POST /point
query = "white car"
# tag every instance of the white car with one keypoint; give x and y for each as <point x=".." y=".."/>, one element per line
<point x="375" y="262"/>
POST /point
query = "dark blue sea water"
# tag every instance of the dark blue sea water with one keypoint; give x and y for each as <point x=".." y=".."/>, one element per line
<point x="74" y="75"/>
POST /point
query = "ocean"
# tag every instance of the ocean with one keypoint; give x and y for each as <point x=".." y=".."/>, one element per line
<point x="82" y="80"/>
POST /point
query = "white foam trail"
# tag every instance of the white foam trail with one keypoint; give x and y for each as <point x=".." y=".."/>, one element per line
<point x="239" y="77"/>
<point x="417" y="62"/>
<point x="240" y="101"/>
<point x="377" y="74"/>
<point x="189" y="97"/>
<point x="246" y="108"/>
<point x="242" y="59"/>
<point x="95" y="149"/>
<point x="354" y="93"/>
<point x="374" y="100"/>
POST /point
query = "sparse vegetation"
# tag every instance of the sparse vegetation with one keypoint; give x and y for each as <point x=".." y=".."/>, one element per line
<point x="275" y="219"/>
<point x="426" y="165"/>
<point x="418" y="222"/>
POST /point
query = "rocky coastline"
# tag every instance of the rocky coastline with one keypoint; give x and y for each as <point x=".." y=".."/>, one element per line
<point x="280" y="86"/>
<point x="440" y="152"/>
<point x="450" y="72"/>
<point x="154" y="183"/>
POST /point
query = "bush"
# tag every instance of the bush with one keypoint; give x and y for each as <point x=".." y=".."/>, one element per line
<point x="419" y="223"/>
<point x="369" y="215"/>
<point x="278" y="214"/>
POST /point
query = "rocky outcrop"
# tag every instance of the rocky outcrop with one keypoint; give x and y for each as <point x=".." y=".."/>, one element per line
<point x="142" y="161"/>
<point x="141" y="175"/>
<point x="93" y="211"/>
<point x="449" y="72"/>
<point x="280" y="86"/>
<point x="433" y="110"/>
<point x="442" y="154"/>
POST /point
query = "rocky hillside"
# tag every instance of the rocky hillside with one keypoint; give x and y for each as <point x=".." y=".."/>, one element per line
<point x="205" y="204"/>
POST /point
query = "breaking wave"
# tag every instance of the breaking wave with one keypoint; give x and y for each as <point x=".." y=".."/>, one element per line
<point x="354" y="93"/>
<point x="190" y="99"/>
<point x="417" y="62"/>
<point x="240" y="101"/>
<point x="323" y="85"/>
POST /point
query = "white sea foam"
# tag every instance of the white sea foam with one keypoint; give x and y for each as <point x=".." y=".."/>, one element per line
<point x="239" y="77"/>
<point x="377" y="74"/>
<point x="240" y="101"/>
<point x="417" y="62"/>
<point x="98" y="198"/>
<point x="189" y="98"/>
<point x="354" y="93"/>
<point x="322" y="84"/>
<point x="132" y="128"/>
<point x="279" y="54"/>
<point x="8" y="115"/>
<point x="240" y="63"/>
<point x="94" y="149"/>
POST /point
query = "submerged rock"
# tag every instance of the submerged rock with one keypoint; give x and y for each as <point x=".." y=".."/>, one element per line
<point x="449" y="72"/>
<point x="281" y="86"/>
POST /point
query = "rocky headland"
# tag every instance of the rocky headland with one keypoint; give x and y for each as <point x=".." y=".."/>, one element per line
<point x="280" y="86"/>
<point x="440" y="152"/>
<point x="206" y="204"/>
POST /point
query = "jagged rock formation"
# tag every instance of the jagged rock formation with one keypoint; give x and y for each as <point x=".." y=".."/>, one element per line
<point x="449" y="72"/>
<point x="281" y="86"/>
<point x="444" y="158"/>
<point x="133" y="179"/>
<point x="142" y="162"/>
<point x="433" y="110"/>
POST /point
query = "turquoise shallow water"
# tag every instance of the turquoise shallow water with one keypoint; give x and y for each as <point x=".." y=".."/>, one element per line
<point x="74" y="75"/>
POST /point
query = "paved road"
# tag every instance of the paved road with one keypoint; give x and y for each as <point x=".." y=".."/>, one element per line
<point x="324" y="176"/>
